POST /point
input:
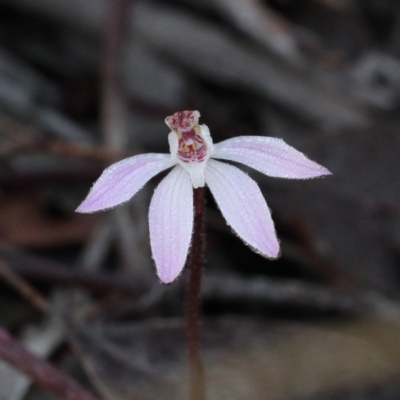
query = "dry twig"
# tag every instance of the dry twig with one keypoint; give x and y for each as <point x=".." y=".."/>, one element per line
<point x="40" y="371"/>
<point x="24" y="288"/>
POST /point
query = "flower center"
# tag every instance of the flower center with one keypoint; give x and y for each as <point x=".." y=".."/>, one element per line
<point x="191" y="146"/>
<point x="183" y="121"/>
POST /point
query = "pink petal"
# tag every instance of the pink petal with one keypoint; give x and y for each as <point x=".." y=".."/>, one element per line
<point x="270" y="156"/>
<point x="119" y="182"/>
<point x="171" y="223"/>
<point x="243" y="206"/>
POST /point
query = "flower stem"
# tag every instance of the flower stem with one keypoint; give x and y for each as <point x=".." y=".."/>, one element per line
<point x="193" y="302"/>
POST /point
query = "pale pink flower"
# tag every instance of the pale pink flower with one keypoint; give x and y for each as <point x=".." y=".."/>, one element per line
<point x="193" y="156"/>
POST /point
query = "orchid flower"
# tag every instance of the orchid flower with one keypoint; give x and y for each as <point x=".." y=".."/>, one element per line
<point x="194" y="158"/>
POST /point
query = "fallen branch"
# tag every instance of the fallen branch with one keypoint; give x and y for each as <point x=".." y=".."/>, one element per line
<point x="46" y="271"/>
<point x="217" y="287"/>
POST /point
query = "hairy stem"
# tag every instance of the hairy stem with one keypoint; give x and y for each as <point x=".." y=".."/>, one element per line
<point x="193" y="302"/>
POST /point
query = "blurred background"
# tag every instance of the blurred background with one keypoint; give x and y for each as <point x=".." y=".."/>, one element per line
<point x="84" y="83"/>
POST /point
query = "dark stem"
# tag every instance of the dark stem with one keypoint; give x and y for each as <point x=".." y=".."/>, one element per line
<point x="193" y="302"/>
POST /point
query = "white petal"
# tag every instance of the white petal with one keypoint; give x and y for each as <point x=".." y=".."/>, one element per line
<point x="243" y="206"/>
<point x="119" y="182"/>
<point x="196" y="173"/>
<point x="171" y="223"/>
<point x="173" y="141"/>
<point x="205" y="132"/>
<point x="270" y="156"/>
